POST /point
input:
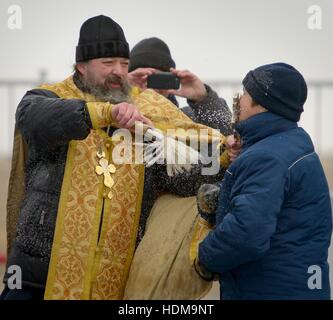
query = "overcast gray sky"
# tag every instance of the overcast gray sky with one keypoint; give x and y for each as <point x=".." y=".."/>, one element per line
<point x="216" y="39"/>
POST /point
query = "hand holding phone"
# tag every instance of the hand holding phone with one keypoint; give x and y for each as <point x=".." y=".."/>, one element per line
<point x="192" y="87"/>
<point x="138" y="77"/>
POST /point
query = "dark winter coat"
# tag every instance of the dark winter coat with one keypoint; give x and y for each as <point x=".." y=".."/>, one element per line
<point x="274" y="218"/>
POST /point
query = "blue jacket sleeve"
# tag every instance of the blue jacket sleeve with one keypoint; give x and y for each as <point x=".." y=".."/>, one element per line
<point x="256" y="197"/>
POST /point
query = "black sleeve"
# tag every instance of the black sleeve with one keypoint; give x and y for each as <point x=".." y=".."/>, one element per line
<point x="213" y="112"/>
<point x="45" y="120"/>
<point x="187" y="183"/>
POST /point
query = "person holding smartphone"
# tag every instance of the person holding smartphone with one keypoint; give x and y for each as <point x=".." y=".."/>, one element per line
<point x="152" y="56"/>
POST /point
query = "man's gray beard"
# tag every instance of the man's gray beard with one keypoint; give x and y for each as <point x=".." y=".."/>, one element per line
<point x="102" y="93"/>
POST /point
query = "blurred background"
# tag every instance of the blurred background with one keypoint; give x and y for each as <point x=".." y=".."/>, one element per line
<point x="219" y="40"/>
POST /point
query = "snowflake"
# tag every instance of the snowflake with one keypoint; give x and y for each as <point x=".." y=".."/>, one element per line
<point x="264" y="78"/>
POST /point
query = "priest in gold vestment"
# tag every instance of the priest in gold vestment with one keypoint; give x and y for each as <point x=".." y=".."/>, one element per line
<point x="75" y="217"/>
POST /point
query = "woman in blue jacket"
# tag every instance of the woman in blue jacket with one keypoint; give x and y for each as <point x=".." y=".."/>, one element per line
<point x="274" y="217"/>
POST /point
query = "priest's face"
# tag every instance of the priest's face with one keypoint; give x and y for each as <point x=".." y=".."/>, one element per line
<point x="106" y="77"/>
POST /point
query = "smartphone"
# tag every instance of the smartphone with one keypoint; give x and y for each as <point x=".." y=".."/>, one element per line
<point x="163" y="80"/>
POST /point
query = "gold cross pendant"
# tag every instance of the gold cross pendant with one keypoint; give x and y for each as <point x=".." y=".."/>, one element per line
<point x="106" y="169"/>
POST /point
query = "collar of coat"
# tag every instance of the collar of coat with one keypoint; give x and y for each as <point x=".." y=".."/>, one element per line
<point x="262" y="125"/>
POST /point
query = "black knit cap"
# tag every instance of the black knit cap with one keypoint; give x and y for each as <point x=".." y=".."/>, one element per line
<point x="151" y="53"/>
<point x="279" y="88"/>
<point x="101" y="37"/>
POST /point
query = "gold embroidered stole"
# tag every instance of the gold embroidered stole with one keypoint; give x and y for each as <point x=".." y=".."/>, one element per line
<point x="94" y="237"/>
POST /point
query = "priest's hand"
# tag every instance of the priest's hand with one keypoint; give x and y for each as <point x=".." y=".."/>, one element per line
<point x="125" y="115"/>
<point x="192" y="87"/>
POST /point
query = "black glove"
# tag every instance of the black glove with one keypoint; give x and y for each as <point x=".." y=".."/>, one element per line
<point x="207" y="199"/>
<point x="203" y="273"/>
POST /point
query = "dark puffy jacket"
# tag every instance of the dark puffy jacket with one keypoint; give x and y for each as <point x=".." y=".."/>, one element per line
<point x="274" y="217"/>
<point x="47" y="124"/>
